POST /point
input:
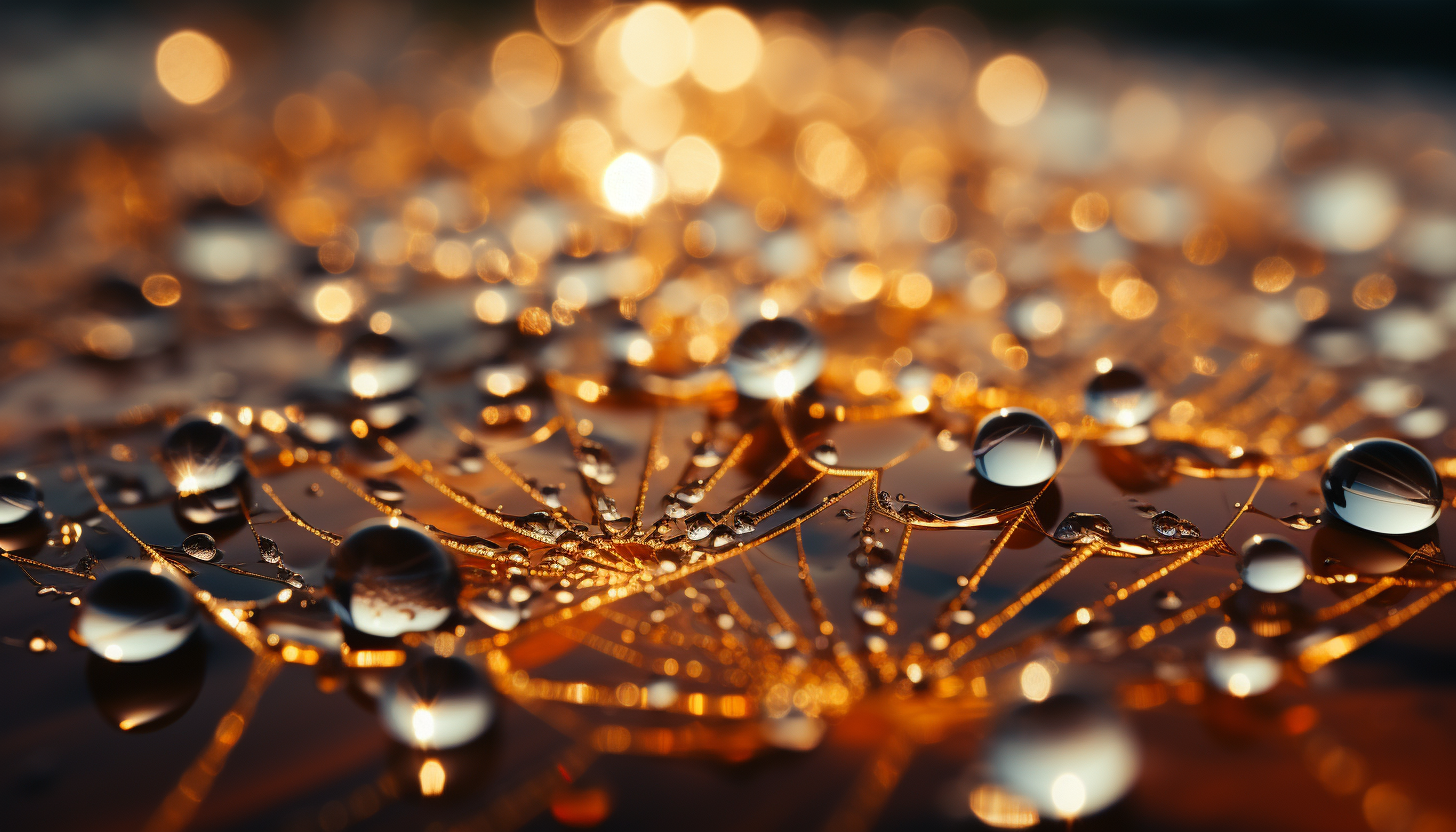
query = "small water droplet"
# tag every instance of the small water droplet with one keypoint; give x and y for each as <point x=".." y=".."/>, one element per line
<point x="1168" y="524"/>
<point x="201" y="546"/>
<point x="776" y="358"/>
<point x="268" y="551"/>
<point x="1016" y="447"/>
<point x="199" y="456"/>
<point x="375" y="366"/>
<point x="826" y="454"/>
<point x="1302" y="522"/>
<point x="845" y="514"/>
<point x="595" y="463"/>
<point x="132" y="615"/>
<point x="1120" y="398"/>
<point x="1080" y="527"/>
<point x="1383" y="486"/>
<point x="698" y="525"/>
<point x="437" y="702"/>
<point x="1272" y="564"/>
<point x="706" y="456"/>
<point x="385" y="491"/>
<point x="1168" y="599"/>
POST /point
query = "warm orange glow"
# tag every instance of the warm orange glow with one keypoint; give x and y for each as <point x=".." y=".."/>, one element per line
<point x="726" y="49"/>
<point x="657" y="44"/>
<point x="628" y="184"/>
<point x="693" y="169"/>
<point x="162" y="289"/>
<point x="192" y="67"/>
<point x="526" y="68"/>
<point x="1011" y="90"/>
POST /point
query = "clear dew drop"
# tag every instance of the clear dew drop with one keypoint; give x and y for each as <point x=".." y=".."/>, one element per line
<point x="385" y="491"/>
<point x="1080" y="527"/>
<point x="595" y="463"/>
<point x="201" y="546"/>
<point x="1168" y="524"/>
<point x="775" y="359"/>
<point x="20" y="500"/>
<point x="1016" y="447"/>
<point x="744" y="523"/>
<point x="1272" y="564"/>
<point x="1120" y="398"/>
<point x="375" y="366"/>
<point x="199" y="456"/>
<point x="1066" y="755"/>
<point x="826" y="454"/>
<point x="131" y="615"/>
<point x="437" y="702"/>
<point x="388" y="580"/>
<point x="704" y="455"/>
<point x="674" y="508"/>
<point x="698" y="525"/>
<point x="1383" y="486"/>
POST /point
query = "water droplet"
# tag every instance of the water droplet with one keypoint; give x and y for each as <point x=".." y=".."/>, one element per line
<point x="314" y="625"/>
<point x="1168" y="599"/>
<point x="1080" y="527"/>
<point x="1302" y="522"/>
<point x="385" y="491"/>
<point x="706" y="456"/>
<point x="1120" y="398"/>
<point x="201" y="546"/>
<point x="881" y="576"/>
<point x="607" y="508"/>
<point x="1016" y="447"/>
<point x="20" y="500"/>
<point x="131" y="615"/>
<point x="199" y="456"/>
<point x="138" y="697"/>
<point x="1066" y="755"/>
<point x="470" y="460"/>
<point x="721" y="536"/>
<point x="774" y="359"/>
<point x="375" y="366"/>
<point x="551" y="495"/>
<point x="1242" y="671"/>
<point x="389" y="580"/>
<point x="1168" y="524"/>
<point x="1383" y="486"/>
<point x="595" y="463"/>
<point x="743" y="523"/>
<point x="437" y="702"/>
<point x="674" y="508"/>
<point x="268" y="551"/>
<point x="826" y="454"/>
<point x="501" y="381"/>
<point x="1272" y="564"/>
<point x="498" y="607"/>
<point x="845" y="514"/>
<point x="699" y="525"/>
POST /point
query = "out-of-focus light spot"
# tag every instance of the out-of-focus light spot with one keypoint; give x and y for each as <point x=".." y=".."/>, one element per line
<point x="999" y="808"/>
<point x="452" y="259"/>
<point x="1239" y="685"/>
<point x="830" y="159"/>
<point x="784" y="384"/>
<point x="1036" y="682"/>
<point x="1144" y="124"/>
<point x="364" y="385"/>
<point x="500" y="126"/>
<point x="865" y="281"/>
<point x="986" y="290"/>
<point x="572" y="292"/>
<point x="380" y="322"/>
<point x="1311" y="302"/>
<point x="1373" y="291"/>
<point x="627" y="184"/>
<point x="432" y="778"/>
<point x="1090" y="211"/>
<point x="913" y="290"/>
<point x="1240" y="148"/>
<point x="929" y="62"/>
<point x="937" y="222"/>
<point x="868" y="381"/>
<point x="1350" y="210"/>
<point x="769" y="309"/>
<point x="1069" y="795"/>
<point x="639" y="351"/>
<point x="585" y="148"/>
<point x="1134" y="299"/>
<point x="491" y="306"/>
<point x="1225" y="637"/>
<point x="693" y="169"/>
<point x="703" y="349"/>
<point x="191" y="66"/>
<point x="650" y="116"/>
<point x="1205" y="245"/>
<point x="726" y="49"/>
<point x="657" y="44"/>
<point x="1273" y="274"/>
<point x="527" y="68"/>
<point x="568" y="21"/>
<point x="333" y="303"/>
<point x="162" y="289"/>
<point x="303" y="125"/>
<point x="422" y="724"/>
<point x="1011" y="90"/>
<point x="112" y="652"/>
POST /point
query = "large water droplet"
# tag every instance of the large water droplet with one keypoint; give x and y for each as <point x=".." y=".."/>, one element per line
<point x="138" y="697"/>
<point x="1272" y="564"/>
<point x="200" y="456"/>
<point x="20" y="500"/>
<point x="1168" y="524"/>
<point x="437" y="703"/>
<point x="774" y="359"/>
<point x="1066" y="755"/>
<point x="1121" y="398"/>
<point x="377" y="365"/>
<point x="1016" y="447"/>
<point x="1383" y="486"/>
<point x="131" y="615"/>
<point x="389" y="579"/>
<point x="201" y="546"/>
<point x="826" y="454"/>
<point x="1080" y="527"/>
